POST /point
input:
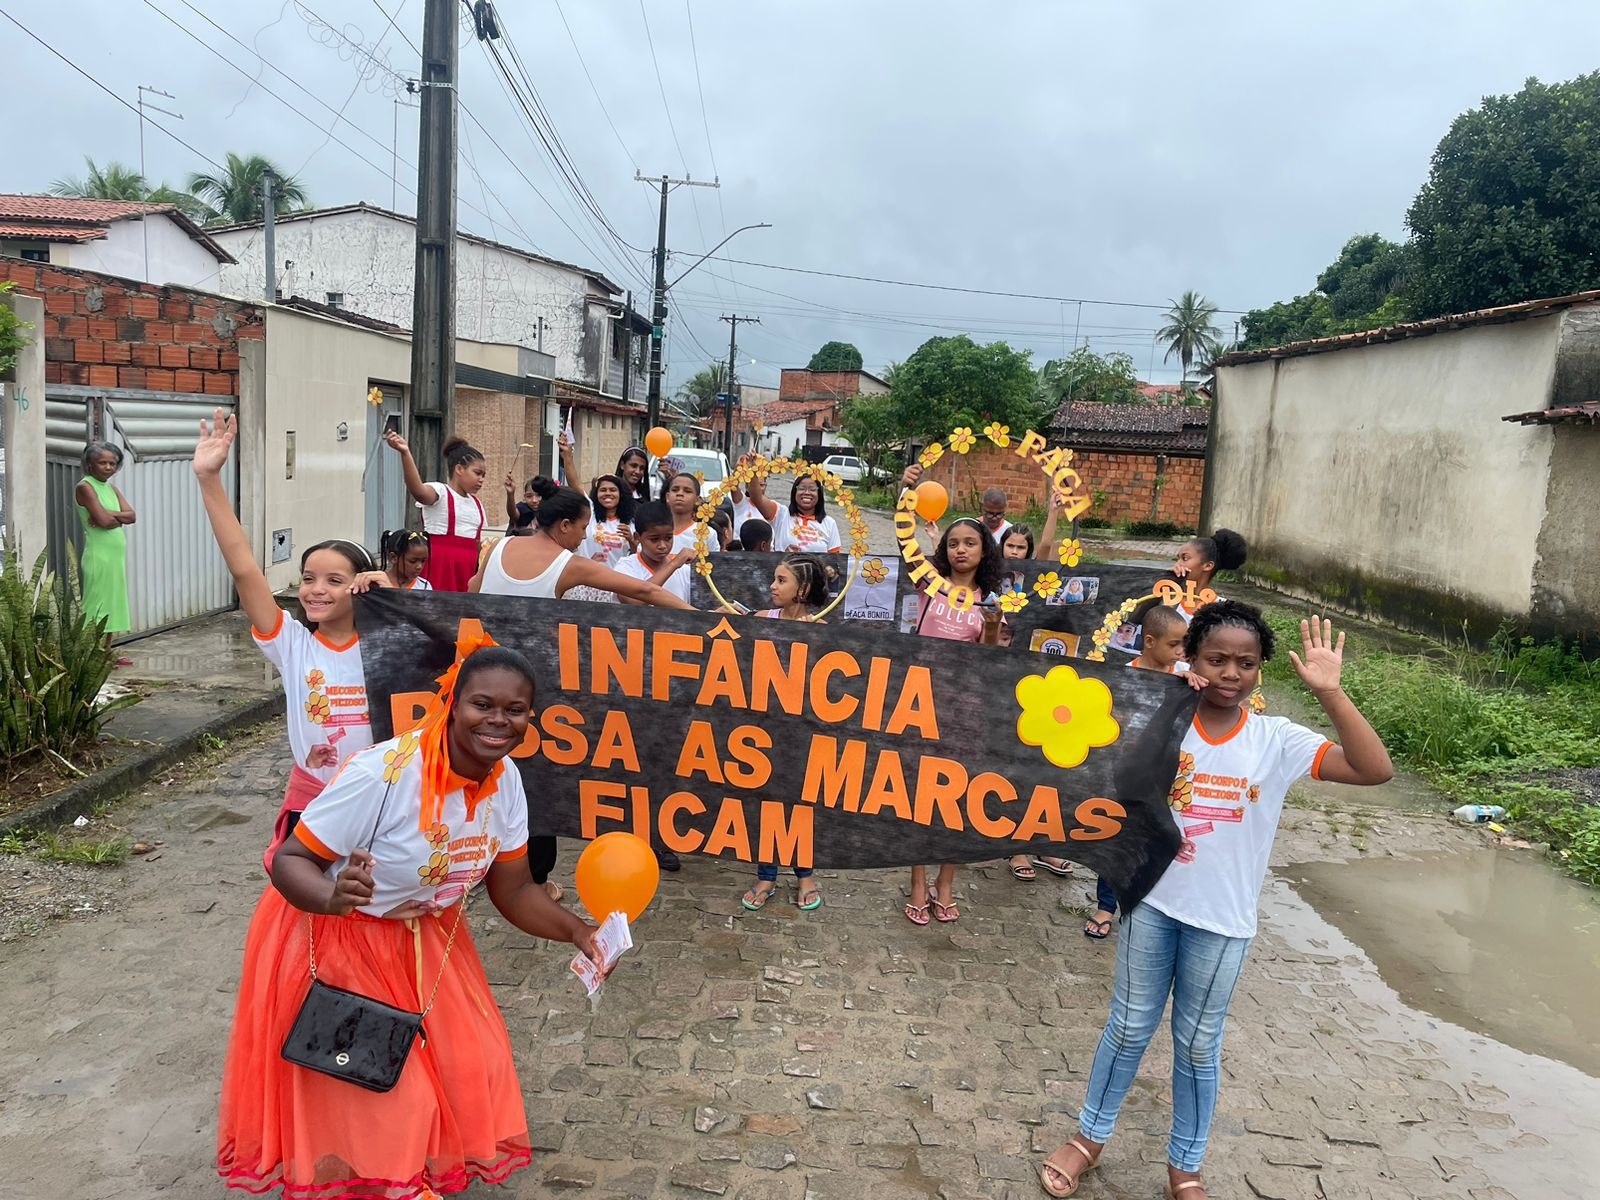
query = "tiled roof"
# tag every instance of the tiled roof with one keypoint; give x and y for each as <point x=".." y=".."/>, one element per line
<point x="1155" y="428"/>
<point x="68" y="219"/>
<point x="1394" y="333"/>
<point x="1168" y="393"/>
<point x="1587" y="413"/>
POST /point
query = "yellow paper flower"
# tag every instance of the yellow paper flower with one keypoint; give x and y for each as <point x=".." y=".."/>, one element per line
<point x="1071" y="552"/>
<point x="1065" y="716"/>
<point x="395" y="760"/>
<point x="844" y="497"/>
<point x="1182" y="794"/>
<point x="703" y="567"/>
<point x="931" y="454"/>
<point x="997" y="433"/>
<point x="1047" y="584"/>
<point x="873" y="570"/>
<point x="375" y="397"/>
<point x="1258" y="702"/>
<point x="436" y="870"/>
<point x="703" y="513"/>
<point x="962" y="440"/>
<point x="318" y="710"/>
<point x="438" y="834"/>
<point x="1013" y="602"/>
<point x="1096" y="656"/>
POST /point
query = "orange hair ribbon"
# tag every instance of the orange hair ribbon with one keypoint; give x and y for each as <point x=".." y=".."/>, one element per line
<point x="438" y="779"/>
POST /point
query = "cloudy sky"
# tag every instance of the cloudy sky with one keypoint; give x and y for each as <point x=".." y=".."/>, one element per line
<point x="1084" y="152"/>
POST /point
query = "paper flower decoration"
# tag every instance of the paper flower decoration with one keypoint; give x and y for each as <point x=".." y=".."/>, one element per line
<point x="873" y="571"/>
<point x="1065" y="716"/>
<point x="1258" y="702"/>
<point x="931" y="454"/>
<point x="997" y="433"/>
<point x="1011" y="602"/>
<point x="1047" y="584"/>
<point x="962" y="440"/>
<point x="375" y="397"/>
<point x="1071" y="552"/>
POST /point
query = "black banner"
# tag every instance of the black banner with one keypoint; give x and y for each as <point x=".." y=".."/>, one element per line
<point x="838" y="746"/>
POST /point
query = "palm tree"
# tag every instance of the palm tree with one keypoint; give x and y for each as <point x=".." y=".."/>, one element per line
<point x="114" y="181"/>
<point x="1189" y="330"/>
<point x="235" y="195"/>
<point x="699" y="393"/>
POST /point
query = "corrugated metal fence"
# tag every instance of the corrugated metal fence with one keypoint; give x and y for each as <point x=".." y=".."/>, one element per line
<point x="175" y="572"/>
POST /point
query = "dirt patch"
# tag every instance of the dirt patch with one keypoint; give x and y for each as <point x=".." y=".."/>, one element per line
<point x="33" y="780"/>
<point x="35" y="892"/>
<point x="1582" y="782"/>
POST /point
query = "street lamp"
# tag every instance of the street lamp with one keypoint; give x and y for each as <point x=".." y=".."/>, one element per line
<point x="714" y="249"/>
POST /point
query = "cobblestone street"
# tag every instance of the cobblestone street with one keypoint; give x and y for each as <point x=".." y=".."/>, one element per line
<point x="780" y="1055"/>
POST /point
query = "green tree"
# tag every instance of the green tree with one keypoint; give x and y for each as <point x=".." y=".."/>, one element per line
<point x="1366" y="287"/>
<point x="835" y="356"/>
<point x="953" y="381"/>
<point x="871" y="425"/>
<point x="1085" y="375"/>
<point x="698" y="395"/>
<point x="1511" y="207"/>
<point x="114" y="181"/>
<point x="1189" y="329"/>
<point x="13" y="334"/>
<point x="235" y="194"/>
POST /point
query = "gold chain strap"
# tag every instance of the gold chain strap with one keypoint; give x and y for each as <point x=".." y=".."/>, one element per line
<point x="461" y="911"/>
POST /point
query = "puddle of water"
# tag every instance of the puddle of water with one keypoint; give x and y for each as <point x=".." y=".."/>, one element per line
<point x="1494" y="941"/>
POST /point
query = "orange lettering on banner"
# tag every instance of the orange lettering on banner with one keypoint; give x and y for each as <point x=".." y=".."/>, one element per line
<point x="835" y="662"/>
<point x="941" y="783"/>
<point x="833" y="777"/>
<point x="1099" y="819"/>
<point x="560" y="723"/>
<point x="406" y="709"/>
<point x="608" y="662"/>
<point x="469" y="628"/>
<point x="786" y="834"/>
<point x="978" y="791"/>
<point x="888" y="787"/>
<point x="723" y="680"/>
<point x="771" y="679"/>
<point x="699" y="753"/>
<point x="877" y="694"/>
<point x="641" y="811"/>
<point x="1043" y="818"/>
<point x="567" y="656"/>
<point x="690" y="840"/>
<point x="913" y="709"/>
<point x="729" y="833"/>
<point x="615" y="743"/>
<point x="749" y="766"/>
<point x="592" y="793"/>
<point x="664" y="665"/>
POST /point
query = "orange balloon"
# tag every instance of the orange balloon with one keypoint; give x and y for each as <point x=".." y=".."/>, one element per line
<point x="932" y="500"/>
<point x="659" y="442"/>
<point x="617" y="872"/>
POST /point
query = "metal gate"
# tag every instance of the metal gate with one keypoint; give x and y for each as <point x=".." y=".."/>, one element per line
<point x="175" y="571"/>
<point x="382" y="479"/>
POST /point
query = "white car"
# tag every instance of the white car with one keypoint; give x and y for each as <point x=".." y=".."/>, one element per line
<point x="848" y="468"/>
<point x="710" y="465"/>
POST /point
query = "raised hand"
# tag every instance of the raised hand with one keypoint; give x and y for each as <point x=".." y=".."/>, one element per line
<point x="1321" y="658"/>
<point x="682" y="558"/>
<point x="216" y="441"/>
<point x="911" y="475"/>
<point x="353" y="888"/>
<point x="368" y="580"/>
<point x="395" y="442"/>
<point x="511" y="485"/>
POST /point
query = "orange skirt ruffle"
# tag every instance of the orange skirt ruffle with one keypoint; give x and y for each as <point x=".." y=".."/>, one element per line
<point x="456" y="1115"/>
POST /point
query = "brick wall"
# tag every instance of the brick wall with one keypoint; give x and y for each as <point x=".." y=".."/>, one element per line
<point x="800" y="384"/>
<point x="497" y="423"/>
<point x="103" y="331"/>
<point x="1125" y="486"/>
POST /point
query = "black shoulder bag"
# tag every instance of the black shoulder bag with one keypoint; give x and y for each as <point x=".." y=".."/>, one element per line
<point x="354" y="1037"/>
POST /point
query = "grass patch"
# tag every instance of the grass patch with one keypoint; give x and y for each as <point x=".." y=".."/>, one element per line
<point x="97" y="852"/>
<point x="1485" y="726"/>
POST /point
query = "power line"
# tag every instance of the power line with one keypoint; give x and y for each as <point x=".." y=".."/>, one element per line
<point x="705" y="122"/>
<point x="109" y="92"/>
<point x="394" y="24"/>
<point x="571" y="37"/>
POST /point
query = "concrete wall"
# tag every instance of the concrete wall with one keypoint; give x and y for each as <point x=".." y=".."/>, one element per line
<point x="175" y="257"/>
<point x="1566" y="593"/>
<point x="23" y="438"/>
<point x="501" y="297"/>
<point x="1382" y="477"/>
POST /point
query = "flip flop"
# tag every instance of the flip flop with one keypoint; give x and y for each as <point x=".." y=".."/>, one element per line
<point x="810" y="905"/>
<point x="917" y="914"/>
<point x="760" y="900"/>
<point x="940" y="908"/>
<point x="1024" y="872"/>
<point x="1063" y="870"/>
<point x="1098" y="930"/>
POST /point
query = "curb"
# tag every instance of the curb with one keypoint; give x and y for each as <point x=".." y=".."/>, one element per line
<point x="119" y="780"/>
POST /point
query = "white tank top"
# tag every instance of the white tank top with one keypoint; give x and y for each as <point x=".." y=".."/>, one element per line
<point x="497" y="583"/>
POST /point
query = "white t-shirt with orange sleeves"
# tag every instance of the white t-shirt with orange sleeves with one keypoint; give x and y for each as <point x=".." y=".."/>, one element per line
<point x="325" y="692"/>
<point x="374" y="805"/>
<point x="1227" y="797"/>
<point x="605" y="542"/>
<point x="795" y="534"/>
<point x="677" y="583"/>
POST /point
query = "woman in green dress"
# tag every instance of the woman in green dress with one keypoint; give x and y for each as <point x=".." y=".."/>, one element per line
<point x="104" y="512"/>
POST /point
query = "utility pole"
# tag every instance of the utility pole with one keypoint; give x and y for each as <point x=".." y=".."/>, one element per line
<point x="733" y="331"/>
<point x="144" y="218"/>
<point x="658" y="318"/>
<point x="433" y="325"/>
<point x="627" y="345"/>
<point x="269" y="234"/>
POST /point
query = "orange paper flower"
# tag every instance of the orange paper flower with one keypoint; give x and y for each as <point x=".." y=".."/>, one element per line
<point x="436" y="870"/>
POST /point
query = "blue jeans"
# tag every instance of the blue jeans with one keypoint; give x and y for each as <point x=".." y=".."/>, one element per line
<point x="768" y="872"/>
<point x="1105" y="899"/>
<point x="1158" y="956"/>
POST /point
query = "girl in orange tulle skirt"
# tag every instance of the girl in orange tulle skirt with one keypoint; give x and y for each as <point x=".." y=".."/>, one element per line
<point x="373" y="881"/>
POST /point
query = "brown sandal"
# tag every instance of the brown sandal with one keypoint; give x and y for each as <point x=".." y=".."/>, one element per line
<point x="1172" y="1191"/>
<point x="1058" y="1165"/>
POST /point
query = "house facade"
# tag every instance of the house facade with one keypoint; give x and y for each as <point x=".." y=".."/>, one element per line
<point x="362" y="259"/>
<point x="114" y="237"/>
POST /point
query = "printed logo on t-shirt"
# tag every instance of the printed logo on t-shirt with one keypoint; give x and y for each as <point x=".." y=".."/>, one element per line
<point x="334" y="706"/>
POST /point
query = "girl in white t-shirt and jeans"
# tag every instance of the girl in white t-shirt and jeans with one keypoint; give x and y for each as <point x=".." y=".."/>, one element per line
<point x="1189" y="937"/>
